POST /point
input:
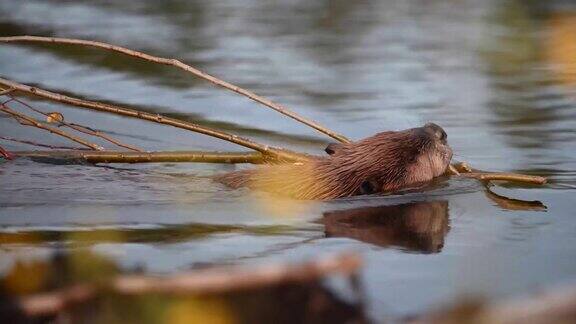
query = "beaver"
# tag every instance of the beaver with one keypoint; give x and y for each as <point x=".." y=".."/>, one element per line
<point x="383" y="163"/>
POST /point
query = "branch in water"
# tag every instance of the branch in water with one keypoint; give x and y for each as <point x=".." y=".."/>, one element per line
<point x="76" y="127"/>
<point x="465" y="170"/>
<point x="146" y="157"/>
<point x="41" y="144"/>
<point x="514" y="177"/>
<point x="199" y="282"/>
<point x="7" y="155"/>
<point x="173" y="62"/>
<point x="4" y="92"/>
<point x="29" y="121"/>
<point x="272" y="152"/>
<point x="462" y="167"/>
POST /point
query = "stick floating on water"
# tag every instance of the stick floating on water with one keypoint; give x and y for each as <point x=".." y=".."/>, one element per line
<point x="145" y="157"/>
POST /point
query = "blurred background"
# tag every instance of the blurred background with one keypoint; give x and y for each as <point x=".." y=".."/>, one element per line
<point x="499" y="76"/>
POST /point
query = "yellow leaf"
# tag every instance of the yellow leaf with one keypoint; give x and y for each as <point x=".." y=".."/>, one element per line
<point x="55" y="117"/>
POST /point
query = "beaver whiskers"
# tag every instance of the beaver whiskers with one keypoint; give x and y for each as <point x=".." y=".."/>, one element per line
<point x="386" y="162"/>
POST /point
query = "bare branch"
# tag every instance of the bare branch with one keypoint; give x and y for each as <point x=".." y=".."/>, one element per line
<point x="514" y="177"/>
<point x="4" y="92"/>
<point x="6" y="154"/>
<point x="273" y="152"/>
<point x="79" y="128"/>
<point x="147" y="157"/>
<point x="465" y="170"/>
<point x="176" y="63"/>
<point x="11" y="139"/>
<point x="90" y="131"/>
<point x="462" y="167"/>
<point x="452" y="170"/>
<point x="29" y="121"/>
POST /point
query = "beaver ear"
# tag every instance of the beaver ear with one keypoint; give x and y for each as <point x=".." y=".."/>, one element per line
<point x="332" y="148"/>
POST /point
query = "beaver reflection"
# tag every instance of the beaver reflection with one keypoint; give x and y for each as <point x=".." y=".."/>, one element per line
<point x="418" y="226"/>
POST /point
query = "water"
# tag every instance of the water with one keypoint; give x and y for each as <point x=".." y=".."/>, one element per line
<point x="499" y="76"/>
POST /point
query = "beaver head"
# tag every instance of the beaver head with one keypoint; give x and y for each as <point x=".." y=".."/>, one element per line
<point x="382" y="163"/>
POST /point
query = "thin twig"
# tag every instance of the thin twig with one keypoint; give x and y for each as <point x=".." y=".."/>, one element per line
<point x="4" y="92"/>
<point x="272" y="152"/>
<point x="465" y="170"/>
<point x="79" y="128"/>
<point x="147" y="157"/>
<point x="11" y="139"/>
<point x="462" y="167"/>
<point x="452" y="170"/>
<point x="93" y="132"/>
<point x="7" y="155"/>
<point x="501" y="176"/>
<point x="29" y="121"/>
<point x="176" y="63"/>
<point x="198" y="282"/>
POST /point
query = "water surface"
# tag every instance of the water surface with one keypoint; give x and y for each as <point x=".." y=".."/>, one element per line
<point x="499" y="76"/>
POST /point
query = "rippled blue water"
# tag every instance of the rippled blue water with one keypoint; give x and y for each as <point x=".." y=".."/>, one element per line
<point x="499" y="76"/>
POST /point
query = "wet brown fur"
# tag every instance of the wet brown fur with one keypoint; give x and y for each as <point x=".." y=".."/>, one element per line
<point x="385" y="162"/>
